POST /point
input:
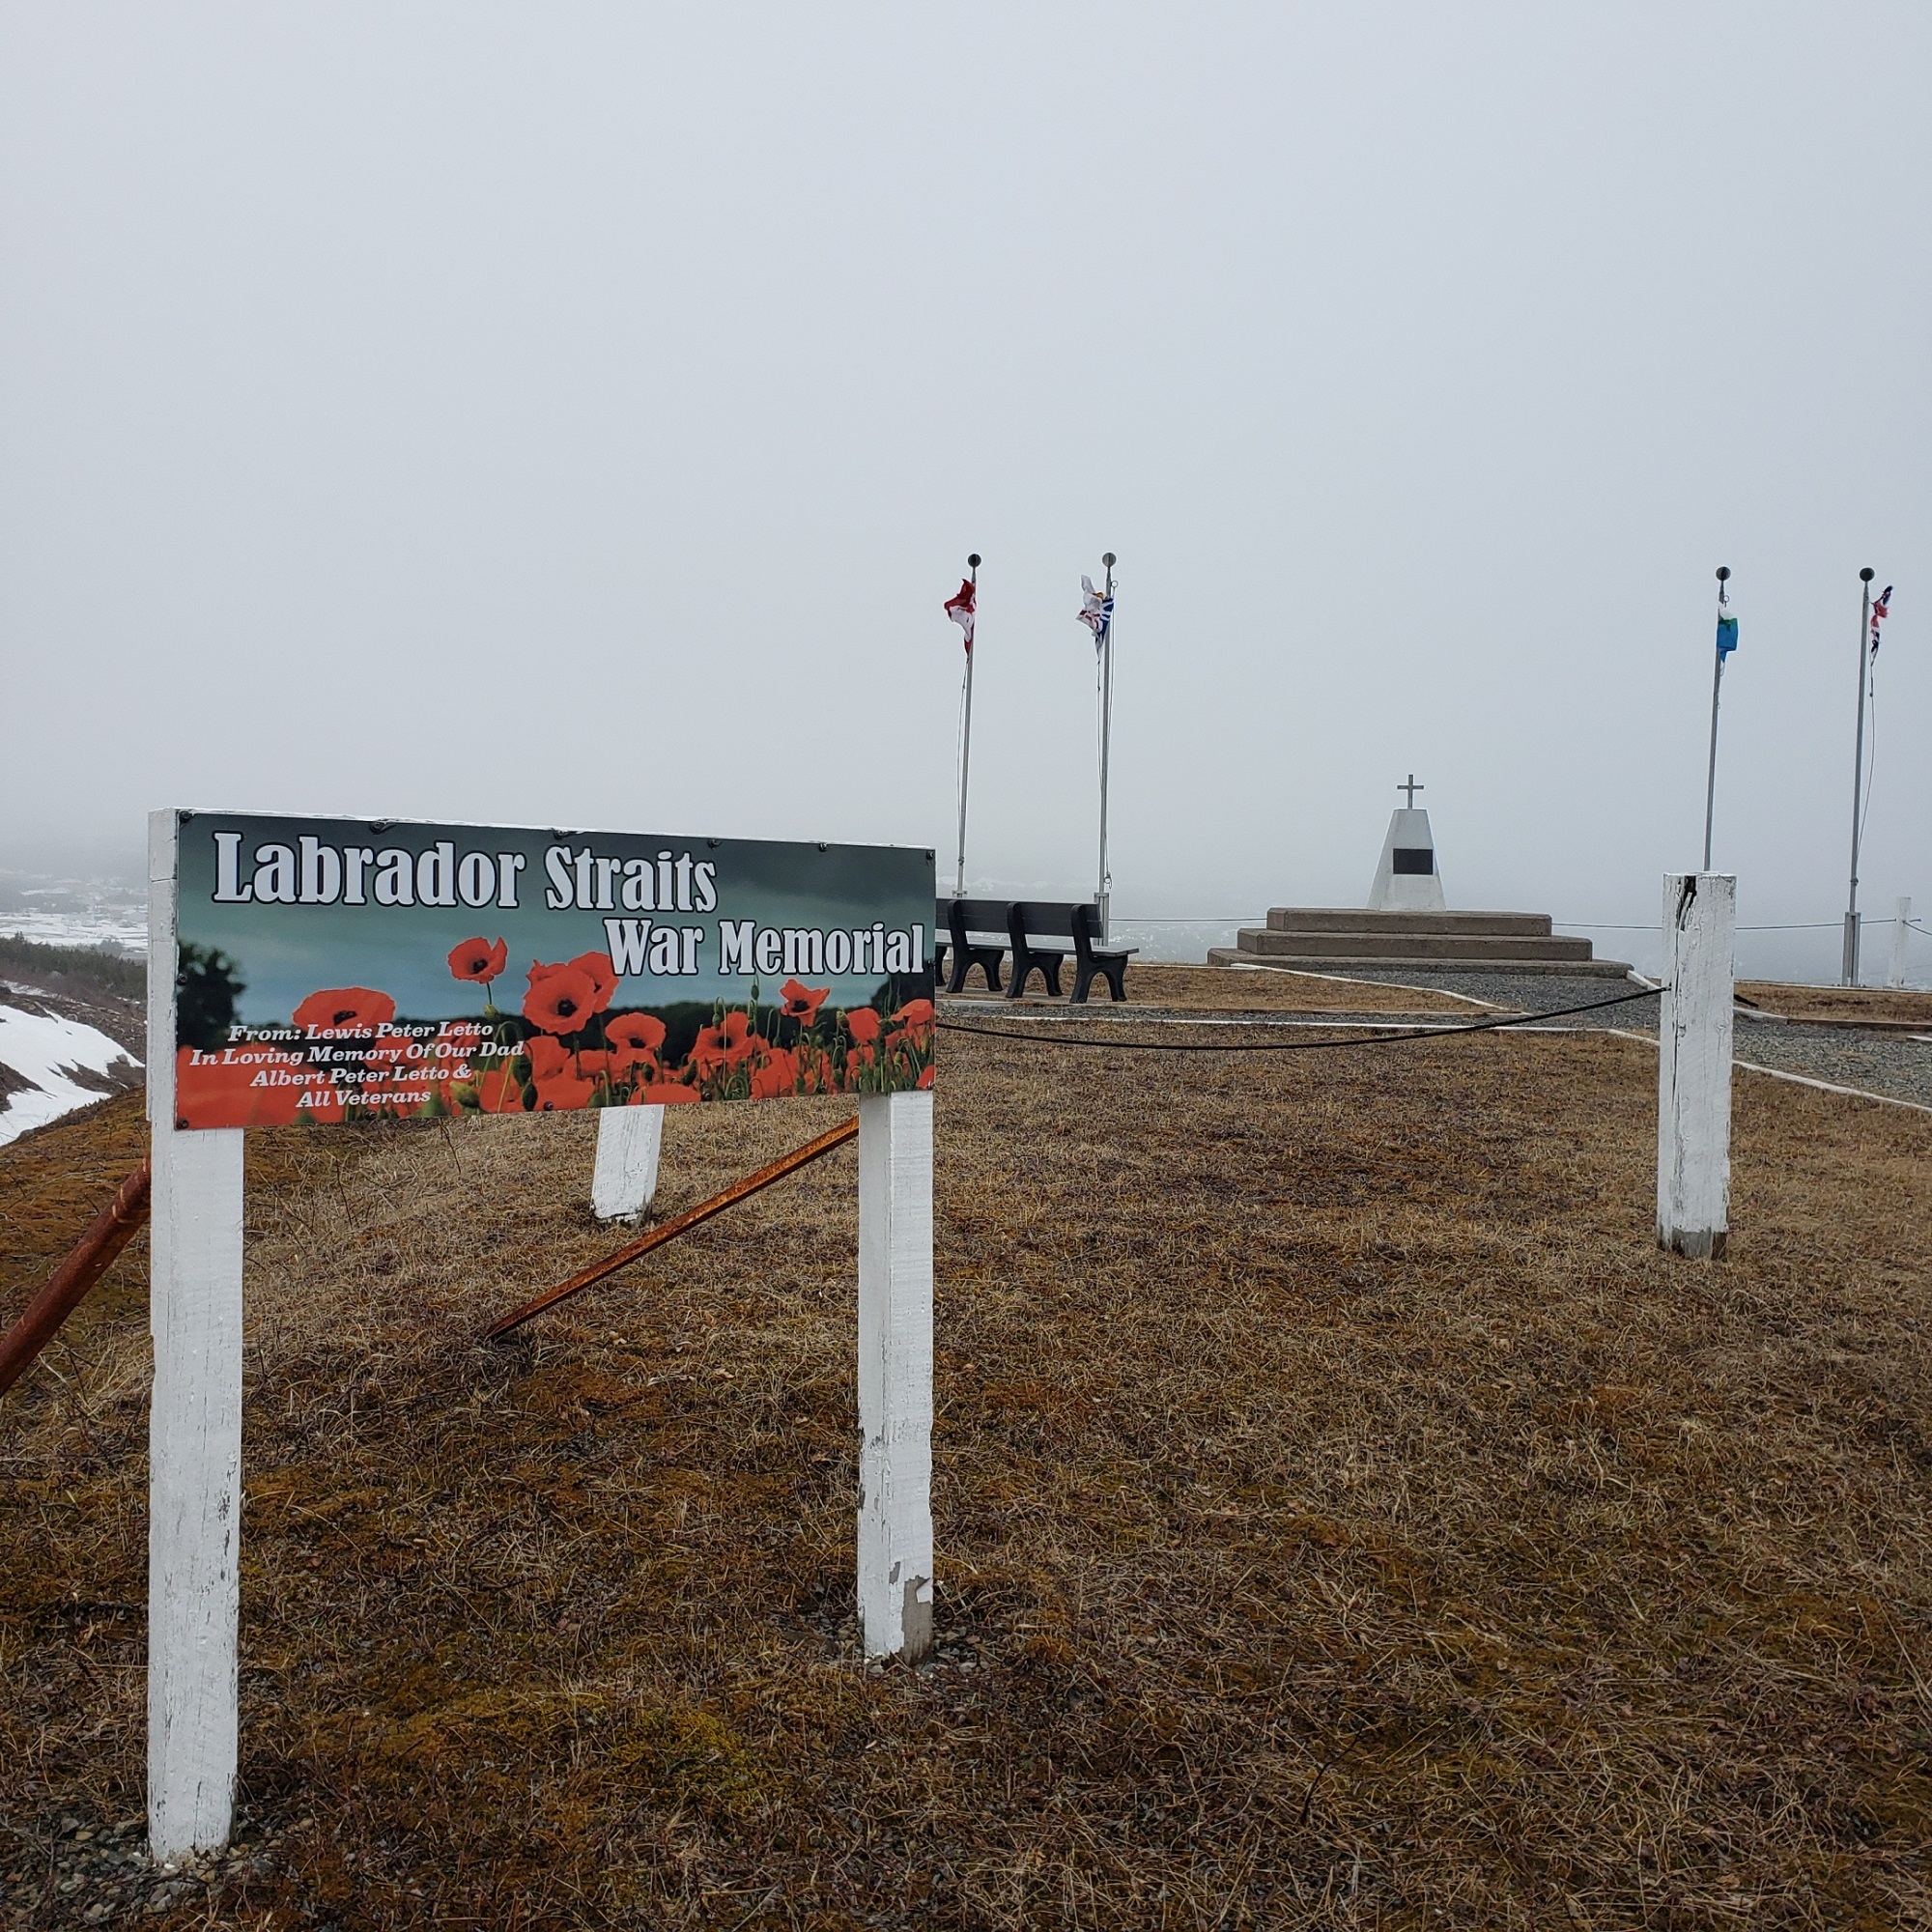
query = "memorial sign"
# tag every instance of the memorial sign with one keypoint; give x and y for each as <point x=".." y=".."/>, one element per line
<point x="335" y="970"/>
<point x="342" y="970"/>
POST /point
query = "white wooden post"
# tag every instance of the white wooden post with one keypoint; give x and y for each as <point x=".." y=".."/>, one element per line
<point x="896" y="1374"/>
<point x="1693" y="1076"/>
<point x="625" y="1181"/>
<point x="1899" y="927"/>
<point x="194" y="1428"/>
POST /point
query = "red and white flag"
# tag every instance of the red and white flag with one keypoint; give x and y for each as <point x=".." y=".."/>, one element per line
<point x="960" y="610"/>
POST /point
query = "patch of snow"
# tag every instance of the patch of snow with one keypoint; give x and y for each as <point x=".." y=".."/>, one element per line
<point x="45" y="1051"/>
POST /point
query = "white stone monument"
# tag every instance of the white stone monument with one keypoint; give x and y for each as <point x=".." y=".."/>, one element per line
<point x="1408" y="879"/>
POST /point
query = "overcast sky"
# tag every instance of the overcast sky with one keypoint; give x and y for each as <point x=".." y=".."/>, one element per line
<point x="579" y="415"/>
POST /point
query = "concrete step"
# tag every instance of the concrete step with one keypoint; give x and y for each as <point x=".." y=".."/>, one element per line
<point x="1265" y="943"/>
<point x="1331" y="963"/>
<point x="1348" y="918"/>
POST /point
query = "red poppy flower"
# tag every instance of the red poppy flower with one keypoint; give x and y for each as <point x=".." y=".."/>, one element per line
<point x="548" y="1057"/>
<point x="560" y="1083"/>
<point x="778" y="1075"/>
<point x="802" y="1002"/>
<point x="913" y="1024"/>
<point x="476" y="959"/>
<point x="863" y="1024"/>
<point x="596" y="967"/>
<point x="498" y="1091"/>
<point x="925" y="1079"/>
<point x="346" y="1009"/>
<point x="634" y="1032"/>
<point x="562" y="1001"/>
<point x="724" y="1046"/>
<point x="564" y="1093"/>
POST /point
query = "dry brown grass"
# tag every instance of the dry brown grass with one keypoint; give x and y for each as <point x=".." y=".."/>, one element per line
<point x="1242" y="989"/>
<point x="1838" y="1003"/>
<point x="1345" y="1515"/>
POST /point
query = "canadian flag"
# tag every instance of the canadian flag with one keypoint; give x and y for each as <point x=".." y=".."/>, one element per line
<point x="960" y="610"/>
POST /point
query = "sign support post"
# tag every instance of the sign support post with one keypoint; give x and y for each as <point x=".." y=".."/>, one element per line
<point x="1693" y="1065"/>
<point x="624" y="1182"/>
<point x="896" y="1374"/>
<point x="194" y="1430"/>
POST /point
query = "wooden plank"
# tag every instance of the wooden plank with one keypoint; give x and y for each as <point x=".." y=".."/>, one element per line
<point x="194" y="1435"/>
<point x="679" y="1223"/>
<point x="1693" y="1068"/>
<point x="896" y="1374"/>
<point x="625" y="1181"/>
<point x="68" y="1287"/>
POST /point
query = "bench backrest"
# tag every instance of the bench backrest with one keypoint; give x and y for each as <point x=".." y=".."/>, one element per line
<point x="962" y="916"/>
<point x="1045" y="917"/>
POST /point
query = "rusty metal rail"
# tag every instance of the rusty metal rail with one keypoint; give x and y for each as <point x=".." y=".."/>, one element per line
<point x="679" y="1223"/>
<point x="108" y="1233"/>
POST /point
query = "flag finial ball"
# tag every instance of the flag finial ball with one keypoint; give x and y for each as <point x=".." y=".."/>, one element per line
<point x="1866" y="574"/>
<point x="1724" y="570"/>
<point x="1107" y="558"/>
<point x="973" y="561"/>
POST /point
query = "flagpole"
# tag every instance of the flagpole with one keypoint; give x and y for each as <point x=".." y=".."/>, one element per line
<point x="1106" y="737"/>
<point x="1850" y="963"/>
<point x="966" y="736"/>
<point x="1716" y="684"/>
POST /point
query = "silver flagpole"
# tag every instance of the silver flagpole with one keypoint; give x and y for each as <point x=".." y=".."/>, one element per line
<point x="1716" y="684"/>
<point x="1850" y="962"/>
<point x="966" y="734"/>
<point x="1106" y="737"/>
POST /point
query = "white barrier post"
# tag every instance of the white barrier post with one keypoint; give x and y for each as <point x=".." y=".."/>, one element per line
<point x="1693" y="1074"/>
<point x="1899" y="927"/>
<point x="194" y="1428"/>
<point x="896" y="1374"/>
<point x="625" y="1181"/>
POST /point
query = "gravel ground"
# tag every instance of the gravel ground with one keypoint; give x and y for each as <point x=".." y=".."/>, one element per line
<point x="1893" y="1064"/>
<point x="1878" y="1063"/>
<point x="1521" y="992"/>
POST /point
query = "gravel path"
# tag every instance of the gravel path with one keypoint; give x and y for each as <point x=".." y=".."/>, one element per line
<point x="1893" y="1064"/>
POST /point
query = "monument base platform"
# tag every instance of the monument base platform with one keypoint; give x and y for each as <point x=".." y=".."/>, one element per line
<point x="1333" y="939"/>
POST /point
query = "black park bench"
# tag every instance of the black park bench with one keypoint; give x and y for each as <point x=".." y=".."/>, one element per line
<point x="963" y="919"/>
<point x="1028" y="919"/>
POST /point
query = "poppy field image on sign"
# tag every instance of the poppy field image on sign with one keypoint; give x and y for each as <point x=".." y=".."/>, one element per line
<point x="345" y="1055"/>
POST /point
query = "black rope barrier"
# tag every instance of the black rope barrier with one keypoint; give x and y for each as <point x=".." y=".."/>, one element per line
<point x="1391" y="1039"/>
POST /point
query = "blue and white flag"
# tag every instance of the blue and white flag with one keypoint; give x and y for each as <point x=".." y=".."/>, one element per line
<point x="1096" y="611"/>
<point x="1727" y="633"/>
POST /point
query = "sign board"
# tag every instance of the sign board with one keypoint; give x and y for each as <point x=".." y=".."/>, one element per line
<point x="340" y="970"/>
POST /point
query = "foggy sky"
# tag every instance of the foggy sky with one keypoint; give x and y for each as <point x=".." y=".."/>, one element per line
<point x="578" y="416"/>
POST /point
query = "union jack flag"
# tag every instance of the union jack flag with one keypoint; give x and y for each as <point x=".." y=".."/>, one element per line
<point x="1879" y="613"/>
<point x="1096" y="611"/>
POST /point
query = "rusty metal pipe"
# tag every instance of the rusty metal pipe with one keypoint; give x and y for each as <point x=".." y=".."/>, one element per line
<point x="679" y="1223"/>
<point x="108" y="1233"/>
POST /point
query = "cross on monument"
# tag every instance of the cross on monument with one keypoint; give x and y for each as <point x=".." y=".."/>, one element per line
<point x="1411" y="788"/>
